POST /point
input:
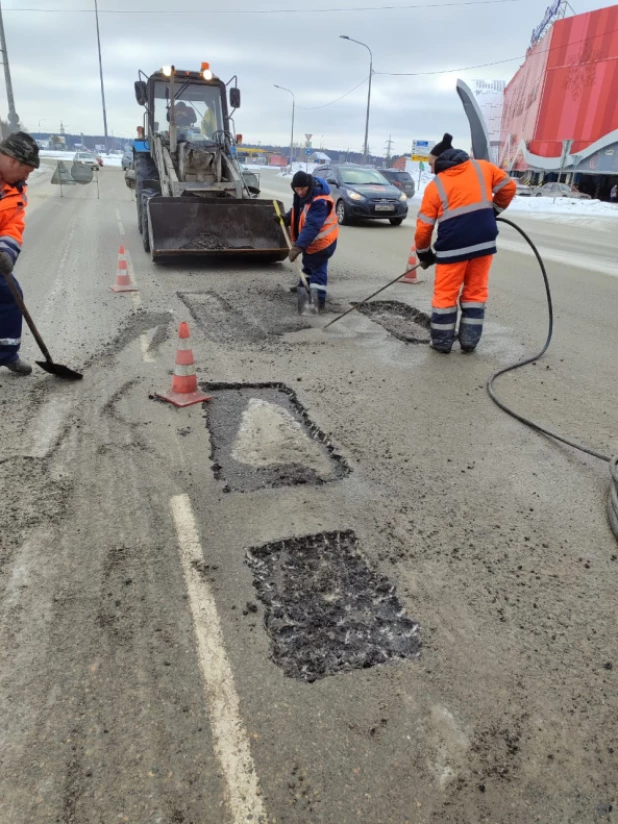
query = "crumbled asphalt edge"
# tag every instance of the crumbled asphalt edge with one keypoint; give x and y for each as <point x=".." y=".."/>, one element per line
<point x="400" y="312"/>
<point x="134" y="326"/>
<point x="343" y="469"/>
<point x="327" y="610"/>
<point x="241" y="328"/>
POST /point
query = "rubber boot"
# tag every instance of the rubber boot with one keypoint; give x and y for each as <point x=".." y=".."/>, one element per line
<point x="471" y="325"/>
<point x="443" y="323"/>
<point x="318" y="299"/>
<point x="302" y="298"/>
<point x="19" y="367"/>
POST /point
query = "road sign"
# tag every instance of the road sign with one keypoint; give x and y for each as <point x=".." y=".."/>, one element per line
<point x="420" y="150"/>
<point x="308" y="151"/>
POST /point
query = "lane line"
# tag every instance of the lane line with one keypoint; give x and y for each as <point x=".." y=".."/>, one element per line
<point x="231" y="741"/>
<point x="137" y="301"/>
<point x="120" y="223"/>
<point x="145" y="345"/>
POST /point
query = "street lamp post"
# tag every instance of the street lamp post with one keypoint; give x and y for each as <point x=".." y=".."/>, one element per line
<point x="283" y="89"/>
<point x="96" y="14"/>
<point x="352" y="40"/>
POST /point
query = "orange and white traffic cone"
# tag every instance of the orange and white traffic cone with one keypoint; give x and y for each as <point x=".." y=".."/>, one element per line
<point x="184" y="390"/>
<point x="411" y="277"/>
<point x="123" y="279"/>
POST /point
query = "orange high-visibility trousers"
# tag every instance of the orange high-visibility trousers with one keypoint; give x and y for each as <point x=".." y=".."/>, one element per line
<point x="473" y="275"/>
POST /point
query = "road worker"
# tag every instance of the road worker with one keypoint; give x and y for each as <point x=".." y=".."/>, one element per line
<point x="314" y="230"/>
<point x="19" y="155"/>
<point x="463" y="199"/>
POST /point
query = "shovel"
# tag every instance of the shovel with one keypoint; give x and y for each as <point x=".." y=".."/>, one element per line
<point x="48" y="365"/>
<point x="381" y="289"/>
<point x="297" y="264"/>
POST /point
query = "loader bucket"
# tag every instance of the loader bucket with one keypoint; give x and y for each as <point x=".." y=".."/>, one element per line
<point x="215" y="226"/>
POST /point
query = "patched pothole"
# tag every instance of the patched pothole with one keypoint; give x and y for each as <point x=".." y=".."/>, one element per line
<point x="327" y="611"/>
<point x="249" y="316"/>
<point x="404" y="322"/>
<point x="262" y="437"/>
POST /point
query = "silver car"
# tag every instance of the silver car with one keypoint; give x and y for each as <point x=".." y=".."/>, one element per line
<point x="86" y="159"/>
<point x="560" y="190"/>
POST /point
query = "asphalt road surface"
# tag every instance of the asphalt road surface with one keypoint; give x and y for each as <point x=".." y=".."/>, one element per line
<point x="349" y="588"/>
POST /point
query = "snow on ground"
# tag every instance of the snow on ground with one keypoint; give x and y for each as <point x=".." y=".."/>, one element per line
<point x="113" y="160"/>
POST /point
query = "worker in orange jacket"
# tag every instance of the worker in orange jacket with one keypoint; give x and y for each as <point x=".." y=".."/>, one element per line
<point x="463" y="199"/>
<point x="19" y="155"/>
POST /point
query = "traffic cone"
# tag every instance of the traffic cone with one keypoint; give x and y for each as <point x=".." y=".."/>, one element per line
<point x="184" y="390"/>
<point x="123" y="279"/>
<point x="411" y="277"/>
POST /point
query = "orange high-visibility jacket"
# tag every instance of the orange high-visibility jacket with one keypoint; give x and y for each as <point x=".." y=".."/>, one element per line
<point x="463" y="201"/>
<point x="13" y="203"/>
<point x="330" y="228"/>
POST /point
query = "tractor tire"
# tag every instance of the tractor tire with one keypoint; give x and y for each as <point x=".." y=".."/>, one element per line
<point x="145" y="169"/>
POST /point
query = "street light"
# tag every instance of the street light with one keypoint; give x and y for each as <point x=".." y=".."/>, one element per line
<point x="352" y="40"/>
<point x="283" y="89"/>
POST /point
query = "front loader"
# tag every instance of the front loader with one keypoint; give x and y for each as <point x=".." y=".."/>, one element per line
<point x="192" y="198"/>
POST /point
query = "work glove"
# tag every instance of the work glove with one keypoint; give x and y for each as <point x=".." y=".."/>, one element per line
<point x="426" y="259"/>
<point x="6" y="263"/>
<point x="295" y="251"/>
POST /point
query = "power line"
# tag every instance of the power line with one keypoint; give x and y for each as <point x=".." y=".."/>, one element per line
<point x="324" y="105"/>
<point x="427" y="6"/>
<point x="498" y="62"/>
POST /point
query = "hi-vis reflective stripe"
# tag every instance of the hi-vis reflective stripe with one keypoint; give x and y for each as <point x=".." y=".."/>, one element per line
<point x="426" y="219"/>
<point x="484" y="203"/>
<point x="500" y="185"/>
<point x="328" y="231"/>
<point x="471" y="304"/>
<point x="10" y="341"/>
<point x="478" y="247"/>
<point x="472" y="321"/>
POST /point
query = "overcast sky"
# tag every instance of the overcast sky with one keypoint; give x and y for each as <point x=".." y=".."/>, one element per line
<point x="54" y="62"/>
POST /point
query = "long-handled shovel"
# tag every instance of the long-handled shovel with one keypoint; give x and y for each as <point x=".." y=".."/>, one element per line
<point x="48" y="365"/>
<point x="297" y="264"/>
<point x="381" y="289"/>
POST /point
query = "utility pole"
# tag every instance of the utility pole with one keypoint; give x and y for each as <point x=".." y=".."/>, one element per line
<point x="96" y="14"/>
<point x="389" y="150"/>
<point x="13" y="116"/>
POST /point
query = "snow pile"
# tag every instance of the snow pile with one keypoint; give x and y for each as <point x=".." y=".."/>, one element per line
<point x="564" y="206"/>
<point x="113" y="160"/>
<point x="297" y="167"/>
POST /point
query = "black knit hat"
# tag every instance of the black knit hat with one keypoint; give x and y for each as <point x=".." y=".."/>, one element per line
<point x="22" y="147"/>
<point x="443" y="145"/>
<point x="302" y="179"/>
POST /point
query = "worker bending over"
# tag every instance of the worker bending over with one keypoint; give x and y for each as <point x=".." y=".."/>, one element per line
<point x="19" y="155"/>
<point x="314" y="229"/>
<point x="464" y="199"/>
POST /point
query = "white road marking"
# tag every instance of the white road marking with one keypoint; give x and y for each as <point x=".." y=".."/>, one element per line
<point x="120" y="223"/>
<point x="145" y="344"/>
<point x="137" y="301"/>
<point x="231" y="741"/>
<point x="59" y="280"/>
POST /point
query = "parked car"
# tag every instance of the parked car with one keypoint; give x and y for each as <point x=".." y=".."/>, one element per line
<point x="361" y="193"/>
<point x="86" y="159"/>
<point x="127" y="159"/>
<point x="523" y="189"/>
<point x="402" y="180"/>
<point x="559" y="190"/>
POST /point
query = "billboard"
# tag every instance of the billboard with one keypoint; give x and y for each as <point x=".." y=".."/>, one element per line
<point x="565" y="90"/>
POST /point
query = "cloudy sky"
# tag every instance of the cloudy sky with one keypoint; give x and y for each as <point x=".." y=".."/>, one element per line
<point x="54" y="62"/>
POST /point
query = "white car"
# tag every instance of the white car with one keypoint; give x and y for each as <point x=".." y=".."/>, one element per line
<point x="559" y="190"/>
<point x="86" y="159"/>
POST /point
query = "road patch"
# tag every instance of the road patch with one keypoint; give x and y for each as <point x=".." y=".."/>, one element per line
<point x="262" y="437"/>
<point x="402" y="321"/>
<point x="327" y="611"/>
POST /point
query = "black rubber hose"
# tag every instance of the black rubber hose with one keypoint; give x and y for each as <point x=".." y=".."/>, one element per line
<point x="613" y="462"/>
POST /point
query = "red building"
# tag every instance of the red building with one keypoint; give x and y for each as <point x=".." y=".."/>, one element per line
<point x="567" y="89"/>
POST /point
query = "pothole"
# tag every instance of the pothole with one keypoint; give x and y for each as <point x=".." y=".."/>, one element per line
<point x="327" y="612"/>
<point x="250" y="316"/>
<point x="262" y="437"/>
<point x="404" y="322"/>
